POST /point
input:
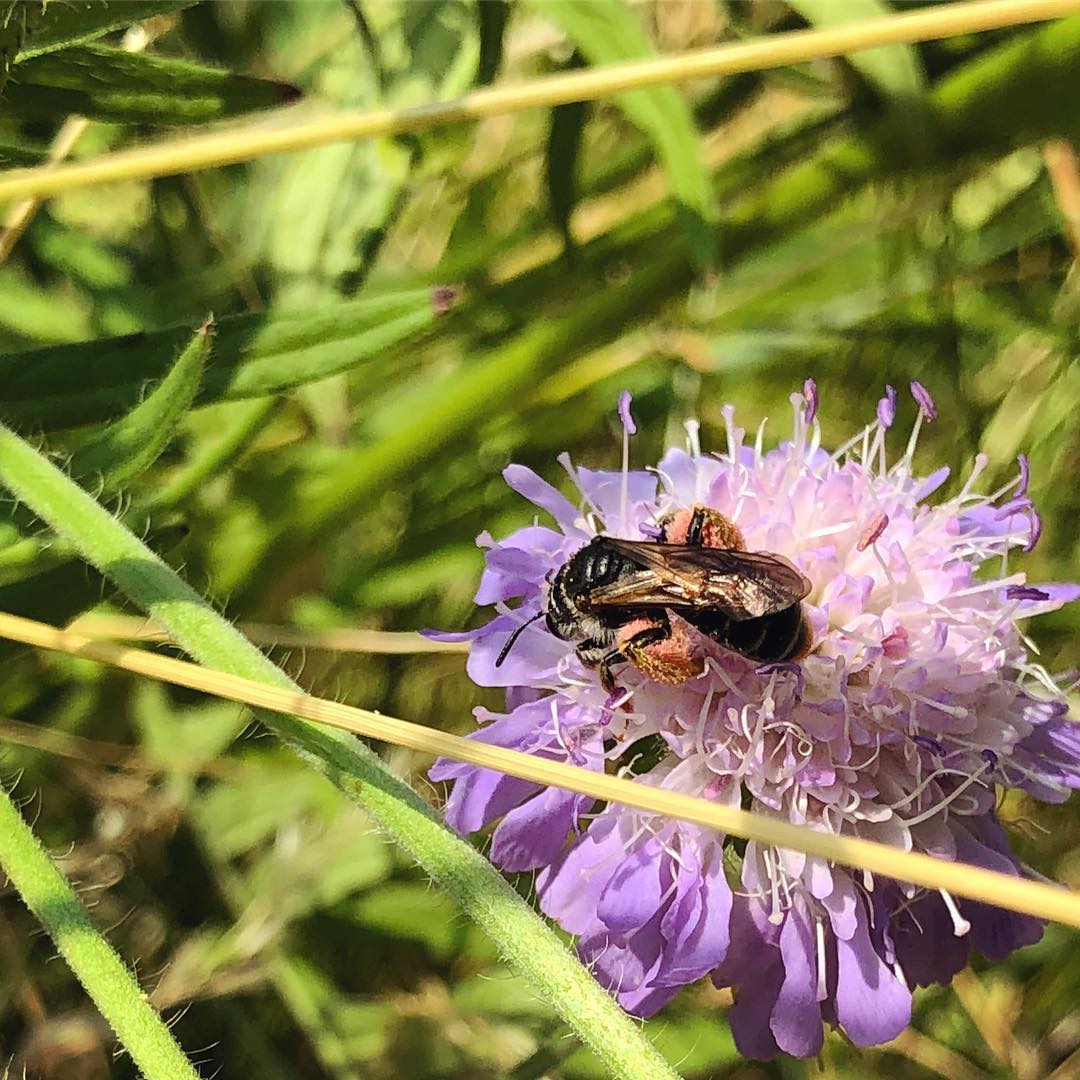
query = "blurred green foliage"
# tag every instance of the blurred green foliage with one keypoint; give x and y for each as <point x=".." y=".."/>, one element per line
<point x="899" y="216"/>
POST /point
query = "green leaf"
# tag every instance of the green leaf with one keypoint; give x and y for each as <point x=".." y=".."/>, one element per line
<point x="116" y="85"/>
<point x="17" y="17"/>
<point x="492" y="17"/>
<point x="561" y="161"/>
<point x="607" y="32"/>
<point x="254" y="356"/>
<point x="130" y="446"/>
<point x="409" y="910"/>
<point x="70" y="21"/>
<point x="894" y="70"/>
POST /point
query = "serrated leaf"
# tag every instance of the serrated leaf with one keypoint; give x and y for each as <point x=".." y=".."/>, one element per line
<point x="130" y="446"/>
<point x="607" y="32"/>
<point x="113" y="84"/>
<point x="72" y="21"/>
<point x="894" y="70"/>
<point x="254" y="356"/>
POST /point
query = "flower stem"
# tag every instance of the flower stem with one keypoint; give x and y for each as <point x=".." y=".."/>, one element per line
<point x="520" y="934"/>
<point x="108" y="980"/>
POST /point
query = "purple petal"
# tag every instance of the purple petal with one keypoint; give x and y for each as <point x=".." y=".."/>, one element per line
<point x="518" y="565"/>
<point x="570" y="888"/>
<point x="531" y="835"/>
<point x="624" y="413"/>
<point x="872" y="1005"/>
<point x="696" y="925"/>
<point x="627" y="965"/>
<point x="929" y="484"/>
<point x="632" y="895"/>
<point x="531" y="661"/>
<point x="605" y="490"/>
<point x="796" y="1019"/>
<point x="539" y="492"/>
<point x="923" y="400"/>
<point x="753" y="969"/>
<point x="481" y="797"/>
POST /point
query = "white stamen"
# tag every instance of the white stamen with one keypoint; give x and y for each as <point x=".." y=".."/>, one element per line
<point x="693" y="442"/>
<point x="981" y="461"/>
<point x="822" y="980"/>
<point x="776" y="915"/>
<point x="624" y="491"/>
<point x="960" y="925"/>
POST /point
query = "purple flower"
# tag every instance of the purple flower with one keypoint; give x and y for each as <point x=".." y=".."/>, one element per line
<point x="917" y="699"/>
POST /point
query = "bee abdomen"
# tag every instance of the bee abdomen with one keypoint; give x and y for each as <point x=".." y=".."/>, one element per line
<point x="775" y="638"/>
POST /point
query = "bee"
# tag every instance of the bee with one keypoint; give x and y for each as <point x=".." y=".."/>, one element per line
<point x="617" y="598"/>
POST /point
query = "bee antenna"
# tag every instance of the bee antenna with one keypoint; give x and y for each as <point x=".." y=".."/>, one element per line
<point x="514" y="636"/>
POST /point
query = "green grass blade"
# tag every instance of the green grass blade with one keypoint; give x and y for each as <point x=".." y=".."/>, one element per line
<point x="135" y="88"/>
<point x="895" y="70"/>
<point x="606" y="32"/>
<point x="254" y="356"/>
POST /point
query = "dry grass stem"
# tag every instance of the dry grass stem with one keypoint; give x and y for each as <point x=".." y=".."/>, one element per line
<point x="776" y="50"/>
<point x="1031" y="897"/>
<point x="391" y="642"/>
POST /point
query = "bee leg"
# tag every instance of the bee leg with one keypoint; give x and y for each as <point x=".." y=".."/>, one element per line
<point x="600" y="655"/>
<point x="660" y="651"/>
<point x="701" y="527"/>
<point x="607" y="679"/>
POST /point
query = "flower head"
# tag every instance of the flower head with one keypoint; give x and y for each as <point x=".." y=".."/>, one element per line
<point x="916" y="700"/>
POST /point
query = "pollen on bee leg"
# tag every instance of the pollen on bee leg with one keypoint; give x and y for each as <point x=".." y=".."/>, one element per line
<point x="667" y="659"/>
<point x="716" y="530"/>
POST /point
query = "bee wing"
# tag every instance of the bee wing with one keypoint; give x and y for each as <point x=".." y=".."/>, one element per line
<point x="741" y="584"/>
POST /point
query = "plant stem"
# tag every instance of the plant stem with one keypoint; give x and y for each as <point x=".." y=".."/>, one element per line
<point x="108" y="980"/>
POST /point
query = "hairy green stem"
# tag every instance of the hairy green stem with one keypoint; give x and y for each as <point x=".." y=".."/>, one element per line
<point x="109" y="981"/>
<point x="523" y="938"/>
